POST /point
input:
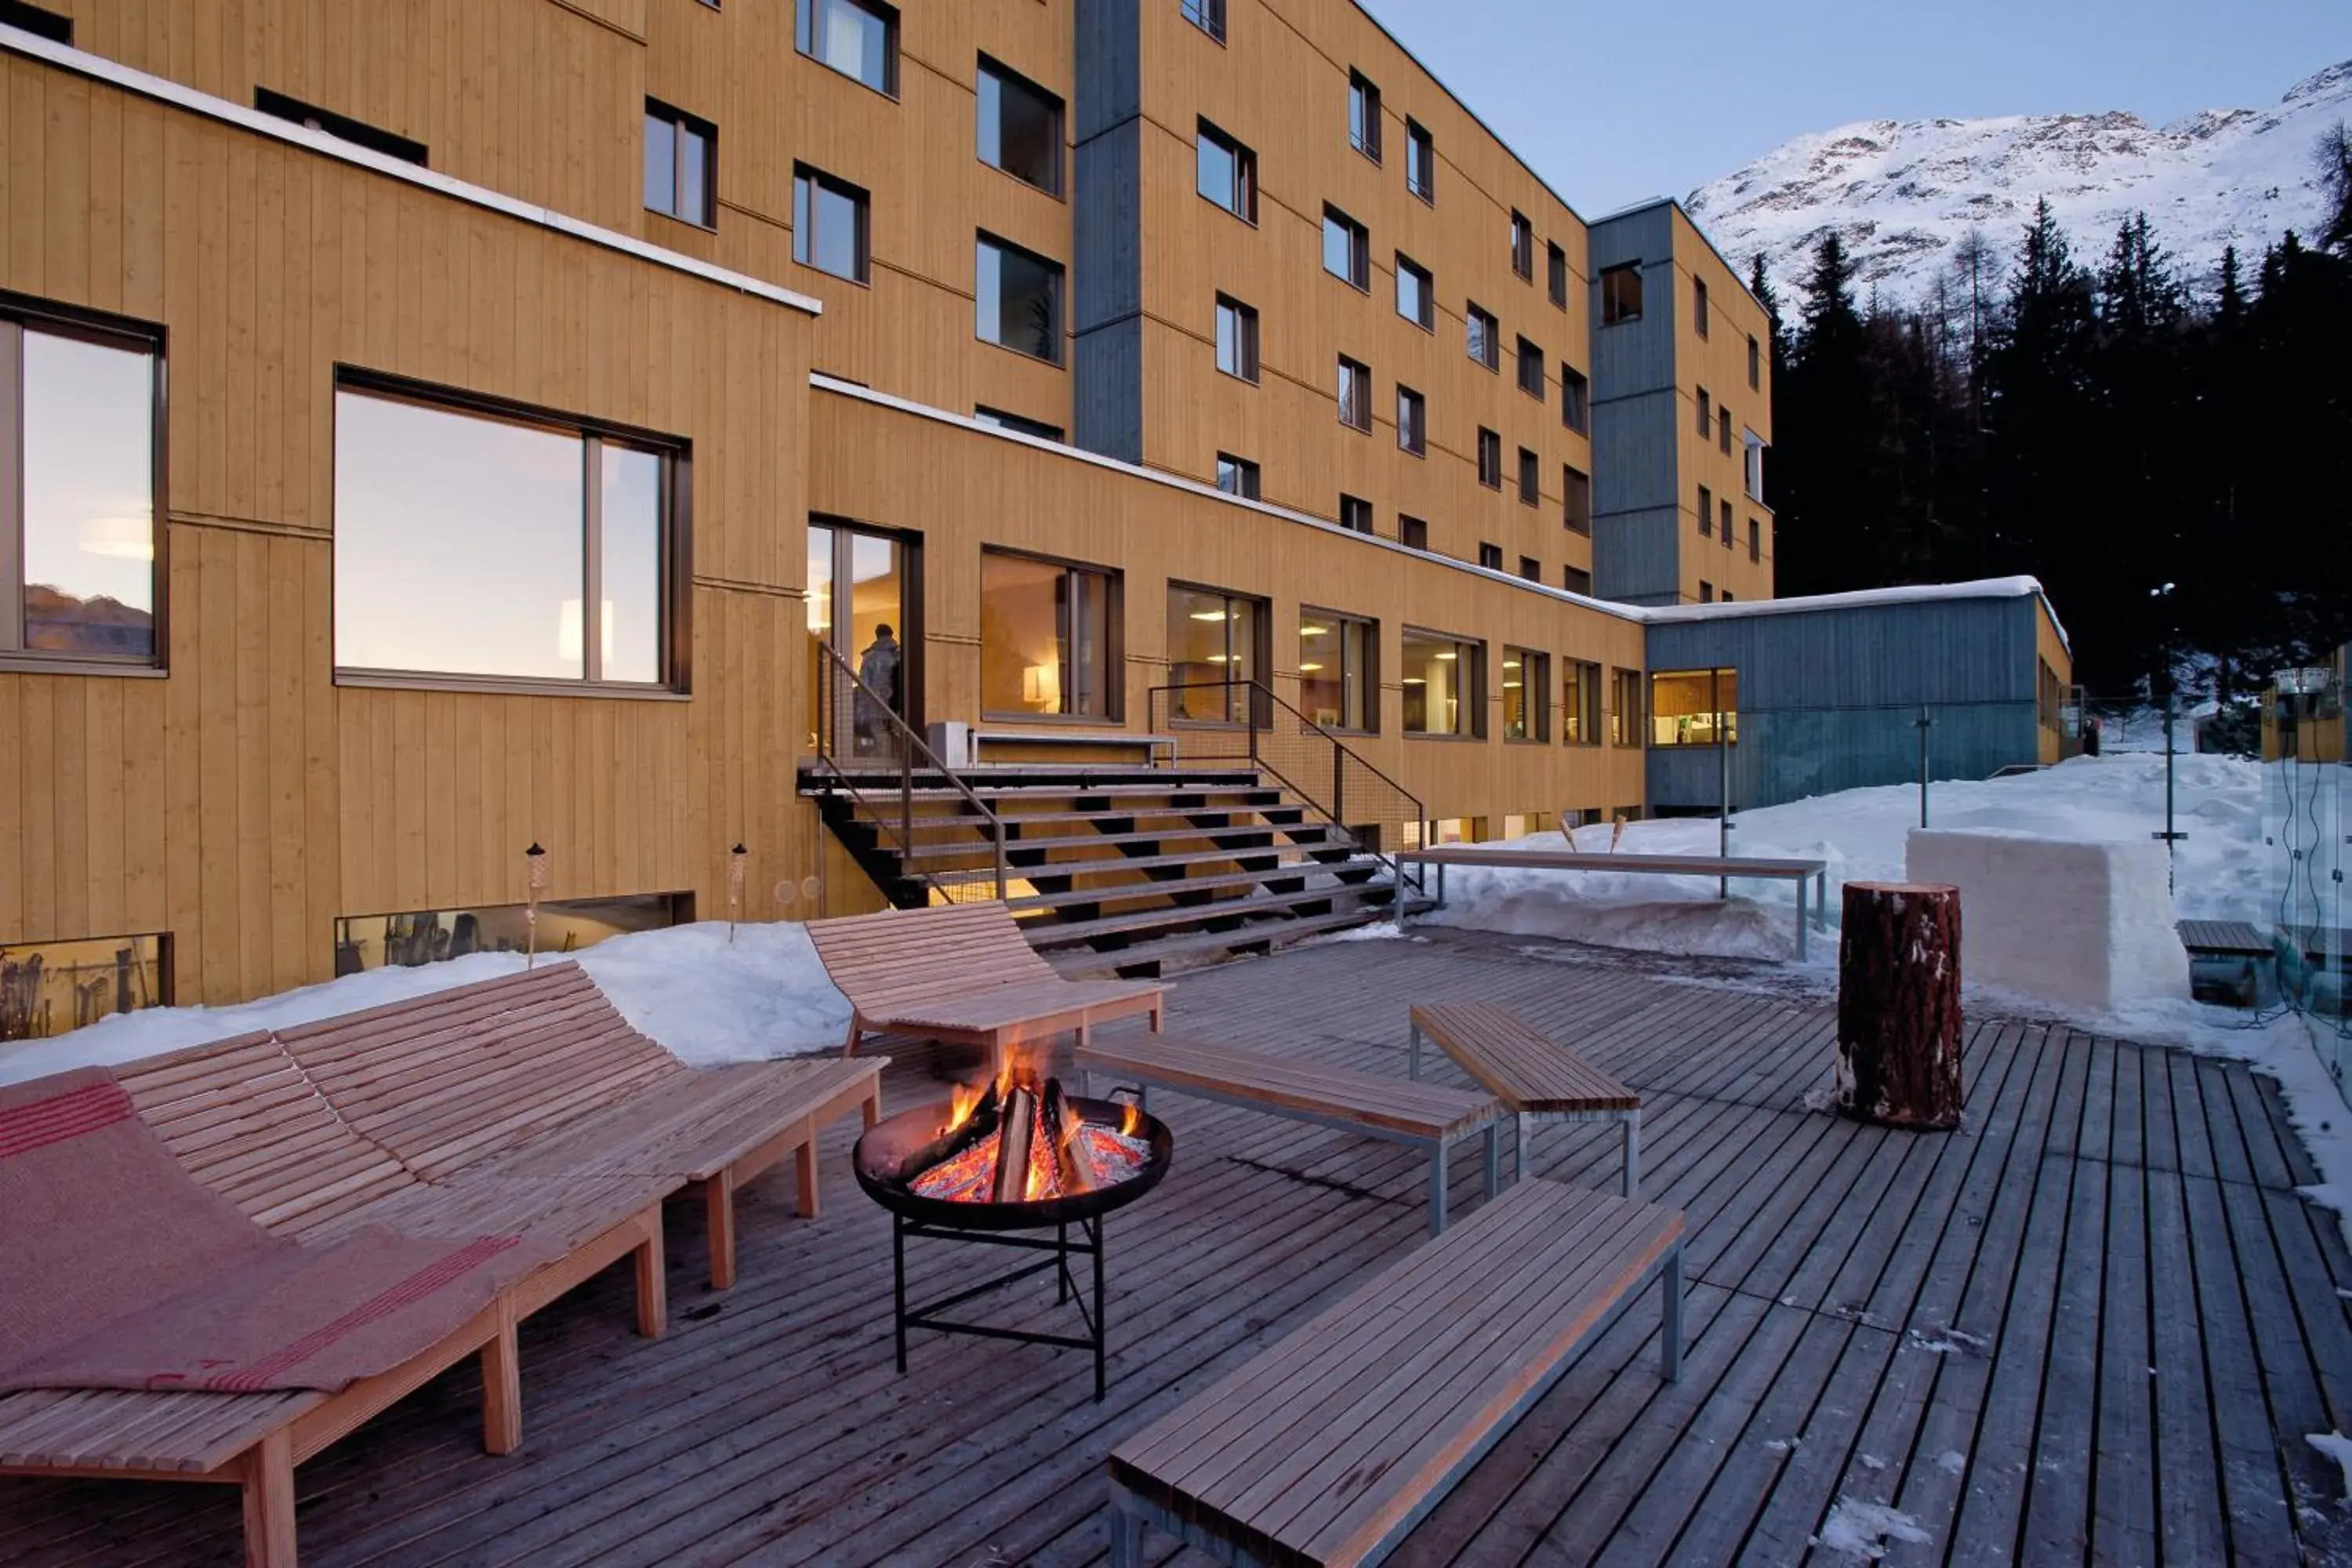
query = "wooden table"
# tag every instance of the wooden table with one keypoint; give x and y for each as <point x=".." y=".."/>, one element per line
<point x="1723" y="868"/>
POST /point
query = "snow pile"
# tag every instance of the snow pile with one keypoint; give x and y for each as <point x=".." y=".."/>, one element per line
<point x="2077" y="923"/>
<point x="2223" y="867"/>
<point x="2338" y="1448"/>
<point x="1865" y="1530"/>
<point x="764" y="996"/>
<point x="1902" y="193"/>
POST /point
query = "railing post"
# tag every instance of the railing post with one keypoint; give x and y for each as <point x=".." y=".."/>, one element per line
<point x="1340" y="781"/>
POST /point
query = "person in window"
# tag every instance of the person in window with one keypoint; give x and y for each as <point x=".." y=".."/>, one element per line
<point x="878" y="672"/>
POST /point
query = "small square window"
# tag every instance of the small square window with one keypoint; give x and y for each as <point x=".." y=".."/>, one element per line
<point x="1490" y="458"/>
<point x="1236" y="339"/>
<point x="1237" y="476"/>
<point x="1621" y="294"/>
<point x="859" y="39"/>
<point x="1412" y="419"/>
<point x="1355" y="393"/>
<point x="1020" y="127"/>
<point x="1490" y="556"/>
<point x="1355" y="514"/>
<point x="1225" y="172"/>
<point x="1363" y="115"/>
<point x="681" y="165"/>
<point x="1412" y="531"/>
<point x="1530" y="568"/>
<point x="1416" y="298"/>
<point x="1705" y="592"/>
<point x="1576" y="579"/>
<point x="829" y="224"/>
<point x="1531" y="478"/>
<point x="1482" y="336"/>
<point x="1346" y="249"/>
<point x="1419" y="162"/>
<point x="1576" y="512"/>
<point x="1523" y="247"/>
<point x="1532" y="369"/>
<point x="1019" y="299"/>
<point x="1558" y="275"/>
<point x="1575" y="400"/>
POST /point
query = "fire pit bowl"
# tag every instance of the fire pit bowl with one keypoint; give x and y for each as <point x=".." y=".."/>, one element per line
<point x="958" y="1154"/>
<point x="884" y="1150"/>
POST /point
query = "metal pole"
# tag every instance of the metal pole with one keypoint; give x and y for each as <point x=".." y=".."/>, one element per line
<point x="1923" y="721"/>
<point x="1723" y="793"/>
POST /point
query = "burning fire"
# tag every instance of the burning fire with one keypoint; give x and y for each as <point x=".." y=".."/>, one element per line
<point x="1057" y="1151"/>
<point x="1130" y="1118"/>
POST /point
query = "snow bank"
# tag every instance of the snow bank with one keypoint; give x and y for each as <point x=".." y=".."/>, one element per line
<point x="2073" y="922"/>
<point x="764" y="996"/>
<point x="1865" y="1530"/>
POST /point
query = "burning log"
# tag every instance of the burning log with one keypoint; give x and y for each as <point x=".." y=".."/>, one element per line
<point x="1073" y="1157"/>
<point x="1016" y="1137"/>
<point x="960" y="1136"/>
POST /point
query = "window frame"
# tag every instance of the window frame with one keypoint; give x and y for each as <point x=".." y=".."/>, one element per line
<point x="1019" y="423"/>
<point x="1755" y="538"/>
<point x="1534" y="667"/>
<point x="1261" y="656"/>
<point x="1523" y="247"/>
<point x="1704" y="405"/>
<point x="1716" y="675"/>
<point x="1751" y="466"/>
<point x="160" y="957"/>
<point x="989" y="64"/>
<point x="105" y="330"/>
<point x="1755" y="364"/>
<point x="1530" y="477"/>
<point x="1471" y="705"/>
<point x="1530" y="568"/>
<point x="1575" y="399"/>
<point x="1061" y="278"/>
<point x="1555" y="274"/>
<point x="1244" y="158"/>
<point x="1569" y="574"/>
<point x="675" y="554"/>
<point x="1530" y="355"/>
<point x="1727" y="521"/>
<point x="1412" y="532"/>
<point x="359" y="133"/>
<point x="1628" y="721"/>
<point x="1351" y="370"/>
<point x="1700" y="315"/>
<point x="1421" y="150"/>
<point x="1115" y="641"/>
<point x="1246" y="338"/>
<point x="1490" y="444"/>
<point x="1491" y="330"/>
<point x="1490" y="556"/>
<point x="1357" y="506"/>
<point x="681" y="124"/>
<point x="1406" y="266"/>
<point x="1588" y="727"/>
<point x="1413" y="421"/>
<point x="804" y="223"/>
<point x="1613" y="300"/>
<point x="1248" y="482"/>
<point x="1707" y="511"/>
<point x="1358" y="275"/>
<point x="804" y="40"/>
<point x="42" y="23"/>
<point x="1208" y="15"/>
<point x="1368" y="697"/>
<point x="1575" y="482"/>
<point x="1723" y="429"/>
<point x="1364" y="115"/>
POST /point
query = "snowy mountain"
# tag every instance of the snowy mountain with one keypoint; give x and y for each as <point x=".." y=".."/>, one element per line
<point x="1901" y="191"/>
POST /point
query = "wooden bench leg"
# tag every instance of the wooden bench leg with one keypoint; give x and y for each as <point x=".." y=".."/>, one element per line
<point x="804" y="1175"/>
<point x="1126" y="1532"/>
<point x="1519" y="1167"/>
<point x="1437" y="1187"/>
<point x="502" y="1387"/>
<point x="653" y="1288"/>
<point x="719" y="1205"/>
<point x="874" y="1105"/>
<point x="1669" y="1335"/>
<point x="269" y="1501"/>
<point x="1633" y="1156"/>
<point x="850" y="1049"/>
<point x="1494" y="1159"/>
<point x="1157" y="1015"/>
<point x="1413" y="1052"/>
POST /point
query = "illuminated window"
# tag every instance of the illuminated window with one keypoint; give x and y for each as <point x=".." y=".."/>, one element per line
<point x="1046" y="630"/>
<point x="411" y="939"/>
<point x="1527" y="693"/>
<point x="1443" y="683"/>
<point x="1694" y="707"/>
<point x="1338" y="688"/>
<point x="49" y="987"/>
<point x="1579" y="705"/>
<point x="1215" y="648"/>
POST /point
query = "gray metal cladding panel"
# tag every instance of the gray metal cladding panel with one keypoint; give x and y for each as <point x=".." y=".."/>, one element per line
<point x="1109" y="38"/>
<point x="1647" y="235"/>
<point x="1637" y="356"/>
<point x="1633" y="556"/>
<point x="1106" y="221"/>
<point x="1960" y="650"/>
<point x="1634" y="452"/>
<point x="1108" y="391"/>
<point x="1794" y="753"/>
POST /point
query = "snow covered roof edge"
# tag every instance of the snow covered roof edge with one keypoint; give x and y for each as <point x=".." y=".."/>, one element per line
<point x="1912" y="594"/>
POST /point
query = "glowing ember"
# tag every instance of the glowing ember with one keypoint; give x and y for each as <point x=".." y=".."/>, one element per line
<point x="1130" y="1118"/>
<point x="1109" y="1156"/>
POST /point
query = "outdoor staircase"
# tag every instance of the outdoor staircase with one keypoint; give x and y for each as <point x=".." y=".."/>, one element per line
<point x="1132" y="871"/>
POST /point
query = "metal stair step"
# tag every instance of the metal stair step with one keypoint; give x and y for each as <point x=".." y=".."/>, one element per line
<point x="1082" y="963"/>
<point x="1045" y="934"/>
<point x="1126" y="892"/>
<point x="1299" y="835"/>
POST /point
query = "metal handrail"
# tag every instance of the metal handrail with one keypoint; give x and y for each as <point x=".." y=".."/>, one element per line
<point x="1343" y="754"/>
<point x="907" y="746"/>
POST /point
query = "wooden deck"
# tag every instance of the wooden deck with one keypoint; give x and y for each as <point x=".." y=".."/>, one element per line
<point x="2094" y="1326"/>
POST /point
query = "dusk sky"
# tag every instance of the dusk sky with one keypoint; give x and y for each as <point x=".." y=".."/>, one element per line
<point x="1614" y="103"/>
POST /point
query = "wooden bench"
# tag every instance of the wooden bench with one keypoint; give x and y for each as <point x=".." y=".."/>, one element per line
<point x="1429" y="1116"/>
<point x="1534" y="1077"/>
<point x="1725" y="869"/>
<point x="1329" y="1447"/>
<point x="963" y="974"/>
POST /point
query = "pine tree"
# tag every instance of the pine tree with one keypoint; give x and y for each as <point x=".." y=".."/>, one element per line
<point x="2333" y="159"/>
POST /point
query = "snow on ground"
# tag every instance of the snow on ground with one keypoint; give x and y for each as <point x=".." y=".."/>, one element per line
<point x="764" y="995"/>
<point x="1865" y="1530"/>
<point x="2222" y="865"/>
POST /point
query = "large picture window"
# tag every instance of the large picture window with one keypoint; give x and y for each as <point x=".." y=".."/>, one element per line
<point x="1020" y="127"/>
<point x="78" y="529"/>
<point x="413" y="939"/>
<point x="1526" y="695"/>
<point x="1694" y="707"/>
<point x="1019" y="299"/>
<point x="1579" y="704"/>
<point x="1047" y="633"/>
<point x="1338" y="677"/>
<point x="1442" y="685"/>
<point x="1215" y="648"/>
<point x="49" y="987"/>
<point x="468" y="544"/>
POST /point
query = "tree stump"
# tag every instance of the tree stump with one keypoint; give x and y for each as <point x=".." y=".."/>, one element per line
<point x="1898" y="1055"/>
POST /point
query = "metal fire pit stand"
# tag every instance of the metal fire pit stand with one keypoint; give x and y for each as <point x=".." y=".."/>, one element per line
<point x="928" y="1315"/>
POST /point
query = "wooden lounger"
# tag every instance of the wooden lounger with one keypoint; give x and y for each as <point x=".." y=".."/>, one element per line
<point x="1329" y="1447"/>
<point x="963" y="974"/>
<point x="1427" y="1115"/>
<point x="1534" y="1077"/>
